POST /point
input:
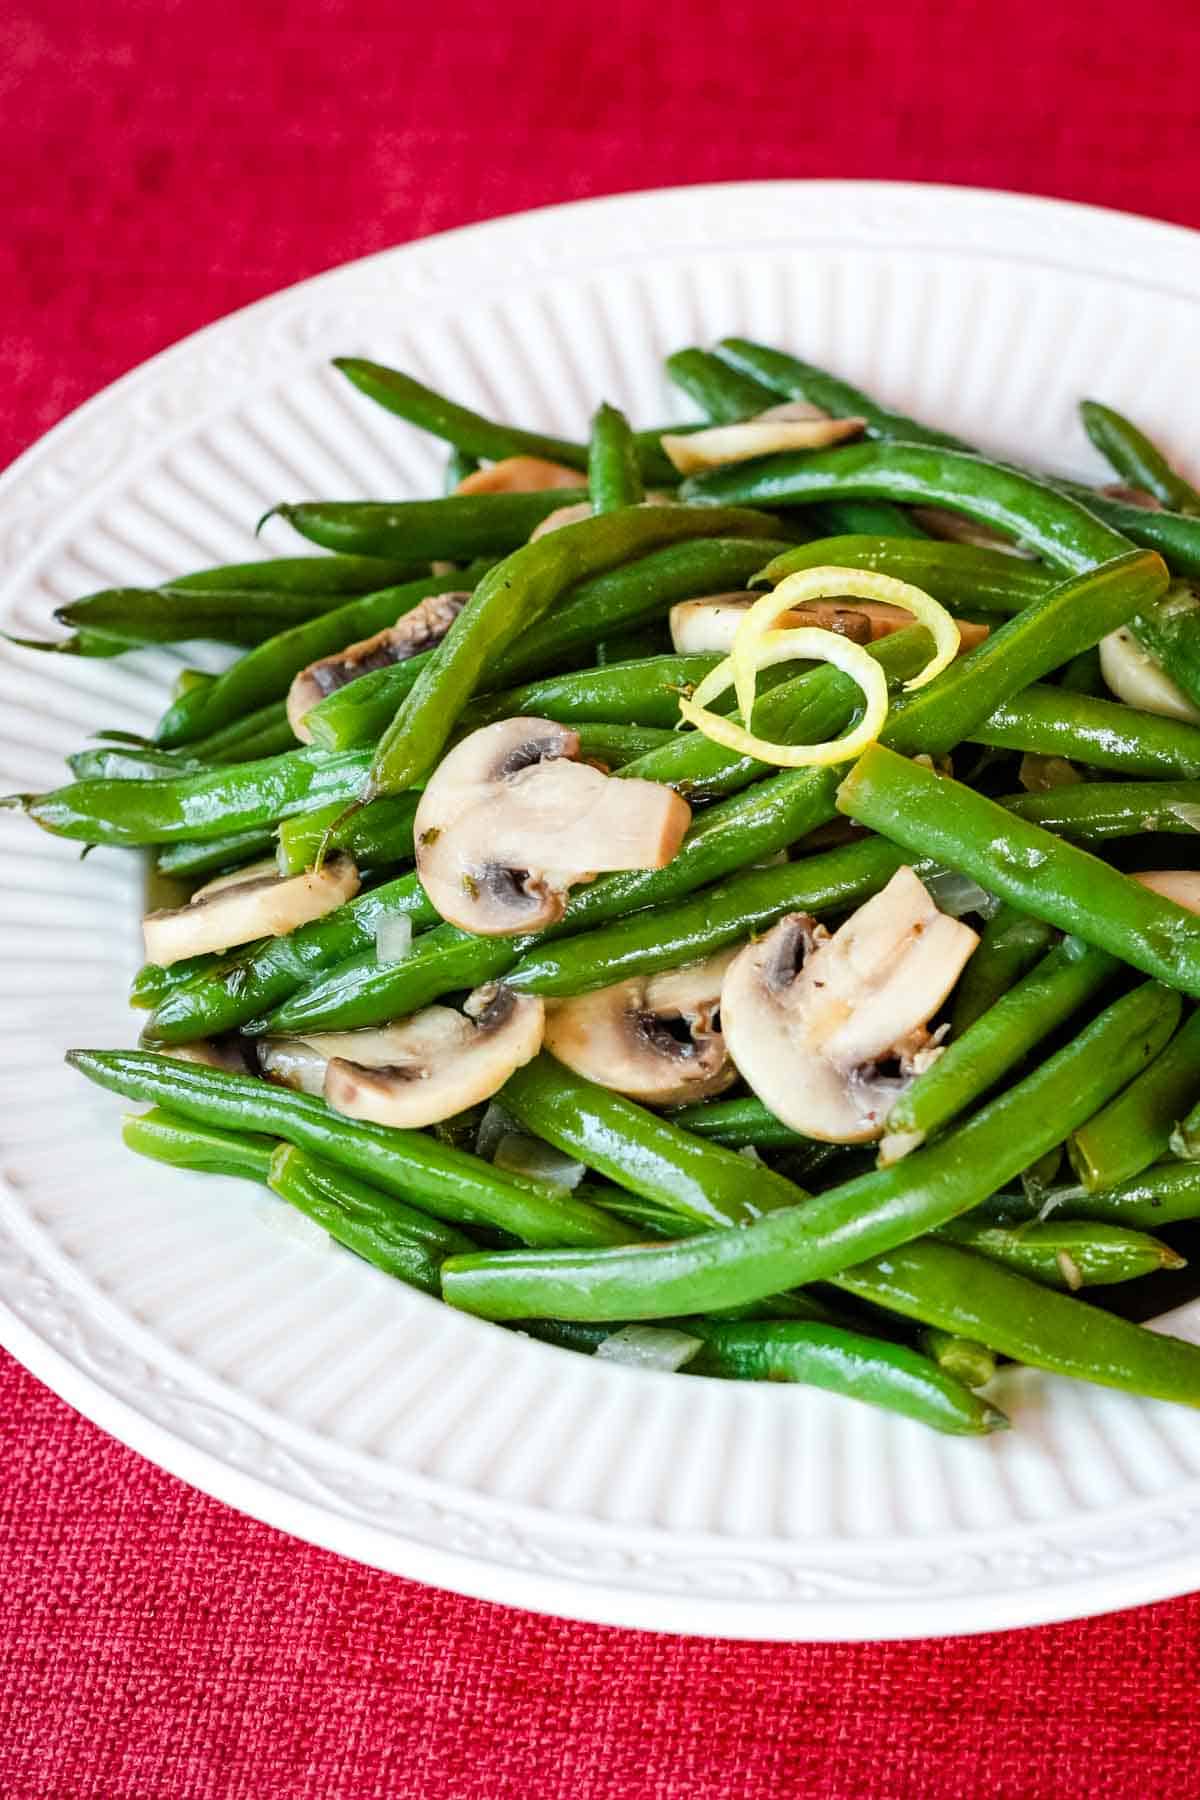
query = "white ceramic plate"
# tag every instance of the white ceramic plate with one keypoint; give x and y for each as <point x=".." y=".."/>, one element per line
<point x="301" y="1385"/>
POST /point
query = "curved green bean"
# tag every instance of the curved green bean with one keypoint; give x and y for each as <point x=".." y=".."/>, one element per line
<point x="1098" y="810"/>
<point x="1135" y="459"/>
<point x="1067" y="1253"/>
<point x="1135" y="1129"/>
<point x="455" y="528"/>
<point x="204" y="1148"/>
<point x="792" y="379"/>
<point x="1009" y="946"/>
<point x="1104" y="734"/>
<point x="962" y="576"/>
<point x="614" y="475"/>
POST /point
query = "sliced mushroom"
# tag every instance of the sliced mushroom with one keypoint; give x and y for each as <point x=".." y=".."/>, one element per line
<point x="809" y="1018"/>
<point x="301" y="1062"/>
<point x="1133" y="496"/>
<point x="720" y="445"/>
<point x="1137" y="678"/>
<point x="956" y="528"/>
<point x="521" y="475"/>
<point x="563" y="515"/>
<point x="709" y="625"/>
<point x="233" y="1053"/>
<point x="423" y="626"/>
<point x="253" y="903"/>
<point x="1180" y="885"/>
<point x="653" y="1038"/>
<point x="443" y="1061"/>
<point x="510" y="820"/>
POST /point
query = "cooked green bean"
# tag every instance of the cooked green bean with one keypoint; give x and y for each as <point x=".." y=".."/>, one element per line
<point x="971" y="1363"/>
<point x="1135" y="1129"/>
<point x="212" y="803"/>
<point x="204" y="1148"/>
<point x="266" y="673"/>
<point x="227" y="992"/>
<point x="1066" y="1253"/>
<point x="1170" y="632"/>
<point x="396" y="1238"/>
<point x="791" y="379"/>
<point x="124" y="762"/>
<point x="1041" y="874"/>
<point x="454" y="528"/>
<point x="980" y="1055"/>
<point x="170" y="615"/>
<point x="513" y="596"/>
<point x="722" y="393"/>
<point x="941" y="1284"/>
<point x="1135" y="459"/>
<point x="264" y="732"/>
<point x="614" y="477"/>
<point x="1103" y="734"/>
<point x="736" y="1123"/>
<point x="822" y="1238"/>
<point x="1009" y="946"/>
<point x="1097" y="810"/>
<point x="646" y="690"/>
<point x="1167" y="1194"/>
<point x="961" y="576"/>
<point x="207" y="856"/>
<point x="377" y="837"/>
<point x="450" y="1185"/>
<point x="344" y="575"/>
<point x="891" y="1376"/>
<point x="1083" y="674"/>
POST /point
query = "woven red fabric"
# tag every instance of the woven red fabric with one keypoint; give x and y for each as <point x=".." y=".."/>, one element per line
<point x="162" y="161"/>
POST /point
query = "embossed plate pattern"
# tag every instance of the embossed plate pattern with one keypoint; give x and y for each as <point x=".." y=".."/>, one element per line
<point x="305" y="1387"/>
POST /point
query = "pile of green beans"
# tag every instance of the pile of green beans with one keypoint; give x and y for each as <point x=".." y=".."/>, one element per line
<point x="1051" y="1129"/>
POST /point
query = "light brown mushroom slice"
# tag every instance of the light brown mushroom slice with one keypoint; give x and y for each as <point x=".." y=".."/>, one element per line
<point x="521" y="475"/>
<point x="709" y="625"/>
<point x="562" y="515"/>
<point x="446" y="1061"/>
<point x="718" y="445"/>
<point x="622" y="1037"/>
<point x="423" y="626"/>
<point x="792" y="409"/>
<point x="300" y="1062"/>
<point x="510" y="821"/>
<point x="808" y="1017"/>
<point x="234" y="911"/>
<point x="1180" y="885"/>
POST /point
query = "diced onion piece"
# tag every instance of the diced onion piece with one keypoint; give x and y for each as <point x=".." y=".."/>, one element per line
<point x="818" y="645"/>
<point x="393" y="937"/>
<point x="649" y="1347"/>
<point x="830" y="583"/>
<point x="956" y="894"/>
<point x="541" y="1162"/>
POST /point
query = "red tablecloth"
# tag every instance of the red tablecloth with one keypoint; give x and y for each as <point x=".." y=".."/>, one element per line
<point x="162" y="161"/>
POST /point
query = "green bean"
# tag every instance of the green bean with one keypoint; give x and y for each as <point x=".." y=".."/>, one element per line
<point x="1009" y="946"/>
<point x="722" y="393"/>
<point x="468" y="431"/>
<point x="646" y="690"/>
<point x="878" y="518"/>
<point x="614" y="477"/>
<point x="266" y="673"/>
<point x="1170" y="632"/>
<point x="377" y="837"/>
<point x="207" y="856"/>
<point x="664" y="937"/>
<point x="459" y="465"/>
<point x="629" y="646"/>
<point x="169" y="615"/>
<point x="456" y="527"/>
<point x="1083" y="675"/>
<point x="1032" y="869"/>
<point x="1062" y="531"/>
<point x="890" y="1376"/>
<point x="820" y="1239"/>
<point x="1066" y="1253"/>
<point x="450" y="1185"/>
<point x="941" y="1284"/>
<point x="1167" y="1194"/>
<point x="360" y="712"/>
<point x="1176" y="536"/>
<point x="153" y="982"/>
<point x="1099" y="810"/>
<point x="969" y="1362"/>
<point x="398" y="1239"/>
<point x="996" y="1042"/>
<point x="1104" y="734"/>
<point x="300" y="575"/>
<point x="1135" y="459"/>
<point x="229" y="991"/>
<point x="792" y="379"/>
<point x="961" y="576"/>
<point x="511" y="597"/>
<point x="264" y="732"/>
<point x="205" y="1148"/>
<point x="121" y="762"/>
<point x="210" y="804"/>
<point x="1135" y="1129"/>
<point x="737" y="1123"/>
<point x="360" y="990"/>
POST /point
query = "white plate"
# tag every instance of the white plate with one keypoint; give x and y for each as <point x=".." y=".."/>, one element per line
<point x="306" y="1388"/>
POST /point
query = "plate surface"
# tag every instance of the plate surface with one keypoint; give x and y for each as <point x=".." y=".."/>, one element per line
<point x="303" y="1386"/>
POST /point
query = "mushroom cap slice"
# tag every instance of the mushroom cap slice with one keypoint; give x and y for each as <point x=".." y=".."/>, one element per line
<point x="420" y="628"/>
<point x="1180" y="885"/>
<point x="562" y="515"/>
<point x="709" y="625"/>
<point x="808" y="1016"/>
<point x="521" y="475"/>
<point x="442" y="1061"/>
<point x="694" y="451"/>
<point x="621" y="1036"/>
<point x="255" y="902"/>
<point x="510" y="821"/>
